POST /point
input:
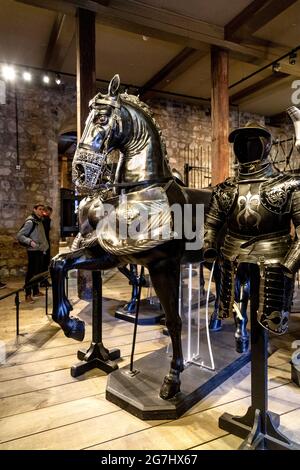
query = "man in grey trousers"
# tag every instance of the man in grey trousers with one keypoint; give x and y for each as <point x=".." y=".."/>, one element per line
<point x="32" y="236"/>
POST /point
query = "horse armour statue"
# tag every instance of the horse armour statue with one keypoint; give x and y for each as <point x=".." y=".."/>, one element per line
<point x="143" y="183"/>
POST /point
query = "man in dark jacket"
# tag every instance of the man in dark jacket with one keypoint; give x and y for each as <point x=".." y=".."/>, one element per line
<point x="47" y="226"/>
<point x="32" y="235"/>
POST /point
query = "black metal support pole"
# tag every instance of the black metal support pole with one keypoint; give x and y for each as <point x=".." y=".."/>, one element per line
<point x="97" y="356"/>
<point x="97" y="307"/>
<point x="46" y="299"/>
<point x="136" y="320"/>
<point x="17" y="304"/>
<point x="258" y="426"/>
<point x="67" y="285"/>
<point x="186" y="173"/>
<point x="17" y="130"/>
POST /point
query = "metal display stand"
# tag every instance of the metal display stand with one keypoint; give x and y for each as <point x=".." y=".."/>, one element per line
<point x="136" y="389"/>
<point x="259" y="426"/>
<point x="96" y="356"/>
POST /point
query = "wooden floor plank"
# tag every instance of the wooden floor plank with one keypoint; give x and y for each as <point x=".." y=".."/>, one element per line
<point x="80" y="434"/>
<point x="114" y="329"/>
<point x="41" y="420"/>
<point x="173" y="435"/>
<point x="51" y="377"/>
<point x="227" y="442"/>
<point x="201" y="426"/>
<point x="90" y="384"/>
<point x="290" y="424"/>
<point x="48" y="397"/>
<point x="43" y="407"/>
<point x="24" y="361"/>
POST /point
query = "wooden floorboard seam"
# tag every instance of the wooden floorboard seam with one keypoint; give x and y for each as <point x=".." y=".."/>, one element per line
<point x="58" y="370"/>
<point x="8" y="366"/>
<point x="58" y="427"/>
<point x="210" y="440"/>
<point x="60" y="403"/>
<point x="63" y="368"/>
<point x="73" y="413"/>
<point x="228" y="434"/>
<point x="193" y="414"/>
<point x="79" y="343"/>
<point x="102" y="393"/>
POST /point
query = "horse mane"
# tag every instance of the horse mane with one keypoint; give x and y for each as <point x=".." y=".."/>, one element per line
<point x="135" y="101"/>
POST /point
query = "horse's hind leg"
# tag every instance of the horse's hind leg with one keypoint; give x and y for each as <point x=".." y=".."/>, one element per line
<point x="165" y="279"/>
<point x="132" y="276"/>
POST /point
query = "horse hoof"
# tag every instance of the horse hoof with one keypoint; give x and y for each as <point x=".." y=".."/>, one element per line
<point x="215" y="324"/>
<point x="242" y="345"/>
<point x="170" y="386"/>
<point x="75" y="329"/>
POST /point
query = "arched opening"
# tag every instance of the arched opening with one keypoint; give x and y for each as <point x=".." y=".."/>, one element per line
<point x="68" y="199"/>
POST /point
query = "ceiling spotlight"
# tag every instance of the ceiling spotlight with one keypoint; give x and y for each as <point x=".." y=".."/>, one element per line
<point x="292" y="58"/>
<point x="8" y="73"/>
<point x="276" y="67"/>
<point x="27" y="76"/>
<point x="46" y="79"/>
<point x="57" y="79"/>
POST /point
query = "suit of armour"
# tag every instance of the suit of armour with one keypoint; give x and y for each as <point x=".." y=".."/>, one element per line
<point x="258" y="206"/>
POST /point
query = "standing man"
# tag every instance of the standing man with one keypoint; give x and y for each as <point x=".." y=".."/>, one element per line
<point x="47" y="226"/>
<point x="32" y="236"/>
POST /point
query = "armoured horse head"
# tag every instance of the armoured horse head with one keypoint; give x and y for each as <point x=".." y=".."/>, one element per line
<point x="122" y="122"/>
<point x="102" y="128"/>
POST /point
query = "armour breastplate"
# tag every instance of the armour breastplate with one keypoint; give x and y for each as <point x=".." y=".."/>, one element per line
<point x="255" y="212"/>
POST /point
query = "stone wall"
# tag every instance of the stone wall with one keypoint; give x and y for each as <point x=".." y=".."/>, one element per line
<point x="43" y="114"/>
<point x="187" y="132"/>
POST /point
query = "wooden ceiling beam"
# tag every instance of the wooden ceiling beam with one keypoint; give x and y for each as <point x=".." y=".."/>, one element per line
<point x="254" y="17"/>
<point x="261" y="84"/>
<point x="242" y="18"/>
<point x="168" y="26"/>
<point x="178" y="65"/>
<point x="61" y="38"/>
<point x="154" y="22"/>
<point x="54" y="35"/>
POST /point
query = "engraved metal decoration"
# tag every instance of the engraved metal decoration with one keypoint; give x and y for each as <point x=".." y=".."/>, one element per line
<point x="248" y="210"/>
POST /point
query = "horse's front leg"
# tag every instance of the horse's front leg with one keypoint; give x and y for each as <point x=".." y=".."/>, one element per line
<point x="60" y="264"/>
<point x="165" y="279"/>
<point x="86" y="258"/>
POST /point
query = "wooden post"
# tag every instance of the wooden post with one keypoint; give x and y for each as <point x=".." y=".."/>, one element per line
<point x="86" y="74"/>
<point x="86" y="89"/>
<point x="219" y="115"/>
<point x="65" y="181"/>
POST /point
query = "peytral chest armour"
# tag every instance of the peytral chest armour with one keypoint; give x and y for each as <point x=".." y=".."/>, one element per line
<point x="258" y="214"/>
